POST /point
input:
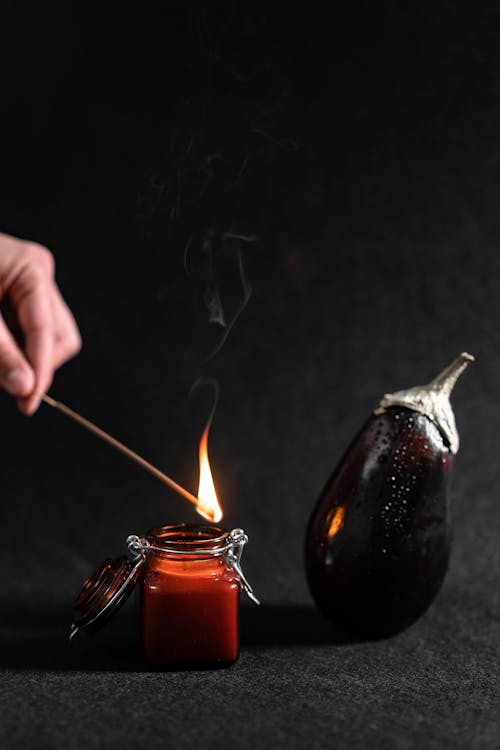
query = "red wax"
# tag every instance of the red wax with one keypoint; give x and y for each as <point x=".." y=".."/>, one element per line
<point x="190" y="610"/>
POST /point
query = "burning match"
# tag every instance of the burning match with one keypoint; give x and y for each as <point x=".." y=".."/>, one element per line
<point x="207" y="503"/>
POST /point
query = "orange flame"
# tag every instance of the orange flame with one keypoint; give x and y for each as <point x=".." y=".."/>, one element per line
<point x="208" y="504"/>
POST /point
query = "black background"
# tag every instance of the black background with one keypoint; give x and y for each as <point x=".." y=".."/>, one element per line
<point x="353" y="164"/>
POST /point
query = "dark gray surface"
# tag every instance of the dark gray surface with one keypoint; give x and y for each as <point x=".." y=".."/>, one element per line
<point x="294" y="685"/>
<point x="376" y="262"/>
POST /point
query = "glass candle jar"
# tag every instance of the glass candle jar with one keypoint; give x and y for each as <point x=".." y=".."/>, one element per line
<point x="190" y="596"/>
<point x="190" y="579"/>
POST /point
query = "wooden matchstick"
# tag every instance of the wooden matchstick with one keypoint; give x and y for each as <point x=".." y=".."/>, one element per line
<point x="120" y="447"/>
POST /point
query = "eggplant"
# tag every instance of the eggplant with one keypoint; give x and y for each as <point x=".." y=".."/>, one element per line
<point x="378" y="541"/>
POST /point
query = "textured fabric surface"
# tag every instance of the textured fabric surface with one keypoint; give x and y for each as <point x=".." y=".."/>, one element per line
<point x="354" y="168"/>
<point x="294" y="685"/>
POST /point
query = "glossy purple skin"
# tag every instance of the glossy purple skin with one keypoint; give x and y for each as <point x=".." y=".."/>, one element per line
<point x="378" y="542"/>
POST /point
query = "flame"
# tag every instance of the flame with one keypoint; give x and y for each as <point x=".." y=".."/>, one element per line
<point x="208" y="504"/>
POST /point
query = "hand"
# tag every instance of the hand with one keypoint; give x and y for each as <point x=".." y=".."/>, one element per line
<point x="37" y="330"/>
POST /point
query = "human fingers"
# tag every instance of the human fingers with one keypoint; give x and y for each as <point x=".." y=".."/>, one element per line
<point x="31" y="294"/>
<point x="67" y="341"/>
<point x="16" y="374"/>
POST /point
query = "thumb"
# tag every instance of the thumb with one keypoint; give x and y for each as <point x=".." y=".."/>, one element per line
<point x="16" y="375"/>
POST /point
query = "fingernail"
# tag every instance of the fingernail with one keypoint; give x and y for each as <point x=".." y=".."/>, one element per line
<point x="31" y="405"/>
<point x="17" y="382"/>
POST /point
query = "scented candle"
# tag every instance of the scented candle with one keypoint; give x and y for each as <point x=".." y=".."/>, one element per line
<point x="190" y="579"/>
<point x="190" y="597"/>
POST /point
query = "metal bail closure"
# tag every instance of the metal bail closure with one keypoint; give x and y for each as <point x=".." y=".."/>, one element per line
<point x="238" y="539"/>
<point x="104" y="593"/>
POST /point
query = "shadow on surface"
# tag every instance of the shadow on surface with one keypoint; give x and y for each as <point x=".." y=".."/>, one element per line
<point x="38" y="639"/>
<point x="288" y="625"/>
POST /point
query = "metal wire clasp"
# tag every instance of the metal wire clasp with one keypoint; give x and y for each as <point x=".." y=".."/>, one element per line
<point x="231" y="549"/>
<point x="137" y="546"/>
<point x="238" y="539"/>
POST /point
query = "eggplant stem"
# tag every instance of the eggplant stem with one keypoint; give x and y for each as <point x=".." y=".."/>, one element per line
<point x="445" y="381"/>
<point x="432" y="399"/>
